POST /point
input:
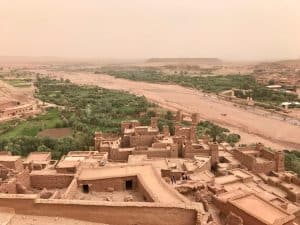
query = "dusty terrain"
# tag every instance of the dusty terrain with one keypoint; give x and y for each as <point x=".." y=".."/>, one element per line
<point x="46" y="220"/>
<point x="253" y="125"/>
<point x="23" y="95"/>
<point x="56" y="132"/>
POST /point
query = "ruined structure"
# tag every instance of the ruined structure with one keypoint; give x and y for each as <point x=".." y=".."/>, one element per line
<point x="12" y="109"/>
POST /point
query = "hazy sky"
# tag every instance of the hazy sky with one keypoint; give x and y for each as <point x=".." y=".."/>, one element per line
<point x="229" y="29"/>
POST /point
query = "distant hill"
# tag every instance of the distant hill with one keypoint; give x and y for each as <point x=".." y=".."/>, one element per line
<point x="292" y="62"/>
<point x="186" y="60"/>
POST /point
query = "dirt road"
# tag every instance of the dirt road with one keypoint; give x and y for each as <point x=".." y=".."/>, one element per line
<point x="252" y="125"/>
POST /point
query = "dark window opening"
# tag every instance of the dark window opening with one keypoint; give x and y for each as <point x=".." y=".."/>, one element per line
<point x="128" y="184"/>
<point x="85" y="188"/>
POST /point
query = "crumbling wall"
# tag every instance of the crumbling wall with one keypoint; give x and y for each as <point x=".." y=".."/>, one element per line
<point x="50" y="181"/>
<point x="15" y="165"/>
<point x="10" y="185"/>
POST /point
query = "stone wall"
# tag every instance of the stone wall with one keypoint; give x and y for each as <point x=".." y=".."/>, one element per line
<point x="50" y="181"/>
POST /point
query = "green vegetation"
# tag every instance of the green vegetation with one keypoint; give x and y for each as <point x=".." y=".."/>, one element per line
<point x="18" y="82"/>
<point x="84" y="109"/>
<point x="215" y="84"/>
<point x="31" y="127"/>
<point x="217" y="133"/>
<point x="292" y="161"/>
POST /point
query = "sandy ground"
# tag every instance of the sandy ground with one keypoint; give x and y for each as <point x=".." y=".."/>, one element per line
<point x="24" y="95"/>
<point x="253" y="125"/>
<point x="116" y="196"/>
<point x="45" y="220"/>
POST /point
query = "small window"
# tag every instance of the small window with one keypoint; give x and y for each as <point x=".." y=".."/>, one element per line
<point x="85" y="188"/>
<point x="128" y="184"/>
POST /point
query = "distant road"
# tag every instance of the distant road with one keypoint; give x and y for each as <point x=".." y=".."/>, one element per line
<point x="253" y="126"/>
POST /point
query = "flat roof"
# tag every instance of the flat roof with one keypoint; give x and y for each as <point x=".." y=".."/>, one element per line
<point x="67" y="163"/>
<point x="226" y="179"/>
<point x="9" y="158"/>
<point x="38" y="156"/>
<point x="264" y="211"/>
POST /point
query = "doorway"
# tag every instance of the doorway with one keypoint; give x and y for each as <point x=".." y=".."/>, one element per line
<point x="128" y="184"/>
<point x="85" y="188"/>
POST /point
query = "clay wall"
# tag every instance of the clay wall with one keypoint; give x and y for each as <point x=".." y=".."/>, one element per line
<point x="119" y="155"/>
<point x="154" y="153"/>
<point x="50" y="181"/>
<point x="17" y="110"/>
<point x="104" y="212"/>
<point x="144" y="140"/>
<point x="24" y="179"/>
<point x="244" y="159"/>
<point x="15" y="165"/>
<point x="125" y="142"/>
<point x="264" y="167"/>
<point x="250" y="220"/>
<point x="192" y="154"/>
<point x="71" y="190"/>
<point x="101" y="185"/>
<point x="183" y="132"/>
<point x="10" y="185"/>
<point x="267" y="154"/>
<point x="227" y="207"/>
<point x="144" y="190"/>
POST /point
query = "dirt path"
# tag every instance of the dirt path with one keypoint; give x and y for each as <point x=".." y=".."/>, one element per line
<point x="253" y="126"/>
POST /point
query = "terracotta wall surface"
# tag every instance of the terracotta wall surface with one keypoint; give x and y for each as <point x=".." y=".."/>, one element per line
<point x="10" y="186"/>
<point x="145" y="140"/>
<point x="103" y="184"/>
<point x="104" y="212"/>
<point x="71" y="190"/>
<point x="50" y="181"/>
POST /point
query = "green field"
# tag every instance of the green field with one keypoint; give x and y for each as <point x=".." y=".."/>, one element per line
<point x="21" y="83"/>
<point x="31" y="127"/>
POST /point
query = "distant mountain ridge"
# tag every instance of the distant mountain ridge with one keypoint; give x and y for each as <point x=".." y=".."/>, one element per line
<point x="185" y="60"/>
